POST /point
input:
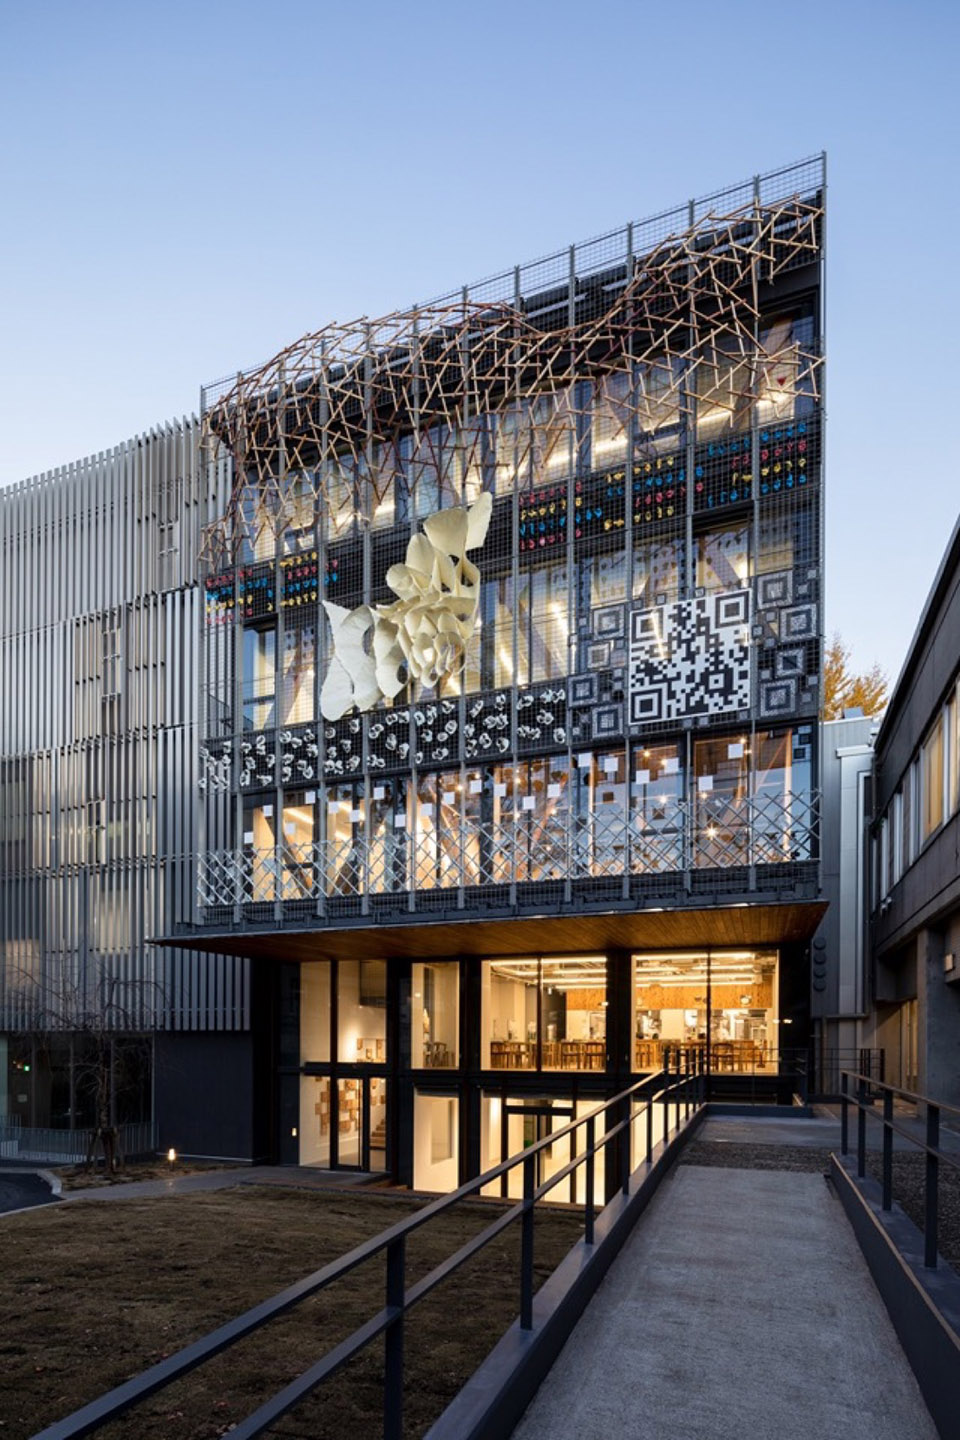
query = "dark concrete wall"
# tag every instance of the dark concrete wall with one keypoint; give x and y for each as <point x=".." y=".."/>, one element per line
<point x="205" y="1094"/>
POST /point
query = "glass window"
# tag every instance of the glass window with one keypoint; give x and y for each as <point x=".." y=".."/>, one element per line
<point x="315" y="1119"/>
<point x="682" y="998"/>
<point x="435" y="1141"/>
<point x="507" y="449"/>
<point x="362" y="1012"/>
<point x="603" y="579"/>
<point x="299" y="672"/>
<point x="933" y="779"/>
<point x="775" y="541"/>
<point x="543" y="613"/>
<point x="723" y="387"/>
<point x="344" y="849"/>
<point x="546" y="1012"/>
<point x="388" y="839"/>
<point x="721" y="788"/>
<point x="723" y="559"/>
<point x="784" y="380"/>
<point x="349" y="1121"/>
<point x="258" y="849"/>
<point x="315" y="1011"/>
<point x="297" y="527"/>
<point x="497" y="649"/>
<point x="258" y="527"/>
<point x="551" y="420"/>
<point x="435" y="1016"/>
<point x="573" y="1006"/>
<point x="611" y="420"/>
<point x="259" y="677"/>
<point x="657" y="570"/>
<point x="509" y="1010"/>
<point x="540" y="820"/>
<point x="657" y="398"/>
<point x="600" y="835"/>
<point x="339" y="506"/>
<point x="296" y="845"/>
<point x="437" y="830"/>
<point x="377" y="1089"/>
<point x="656" y="796"/>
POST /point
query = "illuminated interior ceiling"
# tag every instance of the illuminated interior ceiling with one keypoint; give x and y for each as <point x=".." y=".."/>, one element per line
<point x="574" y="972"/>
<point x="729" y="967"/>
<point x="331" y="409"/>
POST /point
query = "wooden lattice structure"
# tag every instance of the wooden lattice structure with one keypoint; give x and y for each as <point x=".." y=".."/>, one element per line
<point x="333" y="419"/>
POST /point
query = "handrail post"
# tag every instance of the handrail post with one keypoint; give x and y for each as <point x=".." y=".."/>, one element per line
<point x="676" y="1092"/>
<point x="649" y="1129"/>
<point x="844" y="1102"/>
<point x="887" y="1149"/>
<point x="591" y="1154"/>
<point x="932" y="1176"/>
<point x="393" y="1341"/>
<point x="626" y="1116"/>
<point x="526" y="1244"/>
<point x="861" y="1130"/>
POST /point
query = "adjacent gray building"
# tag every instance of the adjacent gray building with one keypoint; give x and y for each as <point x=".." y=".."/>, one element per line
<point x="99" y="617"/>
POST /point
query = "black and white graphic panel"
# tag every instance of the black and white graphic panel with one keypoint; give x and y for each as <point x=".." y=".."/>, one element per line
<point x="690" y="658"/>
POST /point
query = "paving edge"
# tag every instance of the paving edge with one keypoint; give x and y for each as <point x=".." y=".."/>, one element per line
<point x="924" y="1305"/>
<point x="494" y="1398"/>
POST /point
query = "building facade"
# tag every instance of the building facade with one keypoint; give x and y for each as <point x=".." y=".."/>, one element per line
<point x="100" y="604"/>
<point x="590" y="835"/>
<point x="915" y="880"/>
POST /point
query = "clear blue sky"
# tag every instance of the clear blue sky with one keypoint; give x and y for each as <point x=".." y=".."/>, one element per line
<point x="188" y="187"/>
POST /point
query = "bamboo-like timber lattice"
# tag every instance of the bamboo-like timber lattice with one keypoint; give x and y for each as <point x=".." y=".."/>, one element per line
<point x="336" y="404"/>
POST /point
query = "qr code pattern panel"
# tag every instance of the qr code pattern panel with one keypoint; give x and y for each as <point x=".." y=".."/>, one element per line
<point x="690" y="658"/>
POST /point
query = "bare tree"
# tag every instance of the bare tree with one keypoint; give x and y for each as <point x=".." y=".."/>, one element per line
<point x="102" y="1017"/>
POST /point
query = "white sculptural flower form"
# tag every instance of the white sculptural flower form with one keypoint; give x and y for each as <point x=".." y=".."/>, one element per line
<point x="425" y="631"/>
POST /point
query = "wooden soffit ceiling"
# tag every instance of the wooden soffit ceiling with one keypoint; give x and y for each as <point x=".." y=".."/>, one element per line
<point x="714" y="927"/>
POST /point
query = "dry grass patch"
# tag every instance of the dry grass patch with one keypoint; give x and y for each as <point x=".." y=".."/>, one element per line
<point x="92" y="1294"/>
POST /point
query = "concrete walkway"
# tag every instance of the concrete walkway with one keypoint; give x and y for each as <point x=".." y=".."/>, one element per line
<point x="203" y="1181"/>
<point x="740" y="1307"/>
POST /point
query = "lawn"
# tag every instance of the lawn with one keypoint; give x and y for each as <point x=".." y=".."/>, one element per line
<point x="93" y="1293"/>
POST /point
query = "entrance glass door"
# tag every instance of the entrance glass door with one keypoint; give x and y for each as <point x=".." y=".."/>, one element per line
<point x="343" y="1122"/>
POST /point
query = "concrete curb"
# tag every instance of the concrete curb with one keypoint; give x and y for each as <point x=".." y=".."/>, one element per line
<point x="924" y="1305"/>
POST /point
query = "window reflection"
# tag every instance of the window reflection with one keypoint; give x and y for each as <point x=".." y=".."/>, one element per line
<point x="657" y="568"/>
<point x="723" y="559"/>
<point x="299" y="671"/>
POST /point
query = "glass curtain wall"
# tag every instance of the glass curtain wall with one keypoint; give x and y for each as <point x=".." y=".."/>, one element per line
<point x="724" y="1002"/>
<point x="544" y="1013"/>
<point x="343" y="1109"/>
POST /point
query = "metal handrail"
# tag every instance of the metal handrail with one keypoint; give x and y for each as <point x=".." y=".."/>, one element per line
<point x="931" y="1146"/>
<point x="685" y="1092"/>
